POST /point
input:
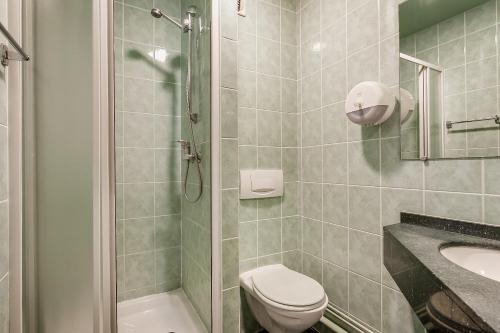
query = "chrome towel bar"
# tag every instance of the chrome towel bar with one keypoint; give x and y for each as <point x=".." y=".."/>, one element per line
<point x="6" y="55"/>
<point x="496" y="118"/>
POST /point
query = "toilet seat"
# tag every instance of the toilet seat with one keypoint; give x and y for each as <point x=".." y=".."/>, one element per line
<point x="285" y="289"/>
<point x="289" y="308"/>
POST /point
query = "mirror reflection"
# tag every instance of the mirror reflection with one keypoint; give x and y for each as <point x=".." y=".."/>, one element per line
<point x="449" y="86"/>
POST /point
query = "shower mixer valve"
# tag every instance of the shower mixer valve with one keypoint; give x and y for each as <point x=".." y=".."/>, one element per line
<point x="186" y="151"/>
<point x="193" y="117"/>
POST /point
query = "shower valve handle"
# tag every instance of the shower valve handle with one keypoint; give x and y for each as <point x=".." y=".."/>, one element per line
<point x="184" y="145"/>
<point x="186" y="151"/>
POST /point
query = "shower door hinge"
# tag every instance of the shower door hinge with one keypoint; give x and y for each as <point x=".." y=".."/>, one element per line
<point x="7" y="55"/>
<point x="241" y="8"/>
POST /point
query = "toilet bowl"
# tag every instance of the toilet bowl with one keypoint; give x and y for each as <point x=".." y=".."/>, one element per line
<point x="283" y="300"/>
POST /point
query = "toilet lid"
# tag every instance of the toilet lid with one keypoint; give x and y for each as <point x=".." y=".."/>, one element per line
<point x="288" y="287"/>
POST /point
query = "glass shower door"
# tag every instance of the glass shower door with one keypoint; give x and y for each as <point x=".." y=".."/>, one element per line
<point x="196" y="217"/>
<point x="162" y="112"/>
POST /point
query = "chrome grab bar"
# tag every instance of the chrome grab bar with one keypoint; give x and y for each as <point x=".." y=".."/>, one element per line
<point x="496" y="118"/>
<point x="5" y="54"/>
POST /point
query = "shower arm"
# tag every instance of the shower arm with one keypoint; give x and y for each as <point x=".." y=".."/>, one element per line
<point x="187" y="23"/>
<point x="165" y="16"/>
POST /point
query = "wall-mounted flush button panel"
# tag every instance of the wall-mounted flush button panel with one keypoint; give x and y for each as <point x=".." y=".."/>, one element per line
<point x="261" y="184"/>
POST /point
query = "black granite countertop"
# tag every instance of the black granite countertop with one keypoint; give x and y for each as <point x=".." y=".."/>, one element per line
<point x="412" y="256"/>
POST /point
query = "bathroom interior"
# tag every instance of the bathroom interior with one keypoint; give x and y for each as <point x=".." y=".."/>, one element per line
<point x="279" y="166"/>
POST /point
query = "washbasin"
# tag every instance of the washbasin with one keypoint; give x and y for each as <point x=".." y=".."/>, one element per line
<point x="480" y="260"/>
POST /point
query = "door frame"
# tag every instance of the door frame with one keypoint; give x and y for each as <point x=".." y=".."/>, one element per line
<point x="216" y="170"/>
<point x="104" y="189"/>
<point x="15" y="153"/>
<point x="103" y="169"/>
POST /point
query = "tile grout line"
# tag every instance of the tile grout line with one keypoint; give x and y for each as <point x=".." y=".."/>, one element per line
<point x="322" y="167"/>
<point x="348" y="180"/>
<point x="154" y="172"/>
<point x="257" y="118"/>
<point x="381" y="254"/>
<point x="281" y="127"/>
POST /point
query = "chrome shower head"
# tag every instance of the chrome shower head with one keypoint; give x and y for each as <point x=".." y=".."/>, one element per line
<point x="155" y="12"/>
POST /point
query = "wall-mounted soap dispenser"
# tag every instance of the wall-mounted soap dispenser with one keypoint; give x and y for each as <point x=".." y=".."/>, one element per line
<point x="370" y="103"/>
<point x="407" y="105"/>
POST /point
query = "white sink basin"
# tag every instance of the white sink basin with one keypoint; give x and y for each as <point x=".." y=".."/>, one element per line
<point x="479" y="260"/>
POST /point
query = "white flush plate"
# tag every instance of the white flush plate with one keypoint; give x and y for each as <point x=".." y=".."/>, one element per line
<point x="261" y="184"/>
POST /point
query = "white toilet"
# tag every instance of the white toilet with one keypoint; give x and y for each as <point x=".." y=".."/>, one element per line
<point x="283" y="300"/>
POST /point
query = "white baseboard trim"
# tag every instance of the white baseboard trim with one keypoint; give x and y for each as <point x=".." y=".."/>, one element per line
<point x="340" y="322"/>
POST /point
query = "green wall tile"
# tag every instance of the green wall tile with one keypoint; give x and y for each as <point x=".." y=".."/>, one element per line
<point x="268" y="128"/>
<point x="230" y="263"/>
<point x="231" y="310"/>
<point x="335" y="164"/>
<point x="247" y="49"/>
<point x="138" y="25"/>
<point x="364" y="209"/>
<point x="168" y="268"/>
<point x="335" y="281"/>
<point x="139" y="235"/>
<point x="229" y="113"/>
<point x="312" y="200"/>
<point x="335" y="240"/>
<point x="138" y="130"/>
<point x="229" y="63"/>
<point x="229" y="151"/>
<point x="268" y="57"/>
<point x="291" y="195"/>
<point x="269" y="237"/>
<point x="365" y="300"/>
<point x="136" y="61"/>
<point x="268" y="92"/>
<point x="267" y="24"/>
<point x="248" y="210"/>
<point x="167" y="231"/>
<point x="230" y="202"/>
<point x="291" y="231"/>
<point x="248" y="240"/>
<point x="139" y="271"/>
<point x="269" y="208"/>
<point x="139" y="165"/>
<point x="270" y="259"/>
<point x="312" y="240"/>
<point x="492" y="210"/>
<point x="4" y="239"/>
<point x="364" y="254"/>
<point x="335" y="207"/>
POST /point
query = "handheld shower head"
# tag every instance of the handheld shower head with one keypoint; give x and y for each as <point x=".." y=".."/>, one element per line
<point x="155" y="12"/>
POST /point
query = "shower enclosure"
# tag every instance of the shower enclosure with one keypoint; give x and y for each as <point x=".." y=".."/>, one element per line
<point x="162" y="138"/>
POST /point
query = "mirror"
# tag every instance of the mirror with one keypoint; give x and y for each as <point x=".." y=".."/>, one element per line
<point x="449" y="81"/>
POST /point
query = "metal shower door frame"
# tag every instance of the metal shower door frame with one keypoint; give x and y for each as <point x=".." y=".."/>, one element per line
<point x="424" y="87"/>
<point x="104" y="189"/>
